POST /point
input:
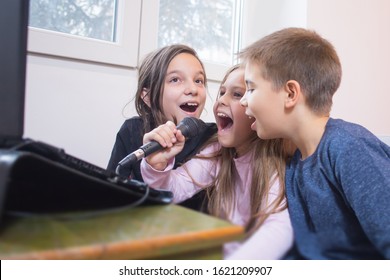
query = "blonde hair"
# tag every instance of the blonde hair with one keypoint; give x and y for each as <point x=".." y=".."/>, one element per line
<point x="268" y="160"/>
<point x="268" y="157"/>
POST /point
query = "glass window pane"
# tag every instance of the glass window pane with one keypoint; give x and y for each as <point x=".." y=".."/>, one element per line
<point x="207" y="26"/>
<point x="86" y="18"/>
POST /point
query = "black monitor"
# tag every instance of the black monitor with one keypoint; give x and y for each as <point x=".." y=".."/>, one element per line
<point x="13" y="51"/>
<point x="37" y="178"/>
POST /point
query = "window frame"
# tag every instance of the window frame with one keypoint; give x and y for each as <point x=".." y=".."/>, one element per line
<point x="149" y="37"/>
<point x="137" y="35"/>
<point x="123" y="52"/>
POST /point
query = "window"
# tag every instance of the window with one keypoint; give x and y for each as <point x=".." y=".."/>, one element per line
<point x="122" y="32"/>
<point x="104" y="31"/>
<point x="207" y="26"/>
<point x="91" y="19"/>
<point x="211" y="27"/>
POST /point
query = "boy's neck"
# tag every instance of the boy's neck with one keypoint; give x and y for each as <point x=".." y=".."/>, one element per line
<point x="309" y="134"/>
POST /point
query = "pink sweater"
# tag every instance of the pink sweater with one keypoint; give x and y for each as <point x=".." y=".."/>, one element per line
<point x="274" y="237"/>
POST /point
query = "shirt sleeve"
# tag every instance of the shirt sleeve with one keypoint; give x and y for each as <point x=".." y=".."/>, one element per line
<point x="272" y="240"/>
<point x="118" y="152"/>
<point x="184" y="181"/>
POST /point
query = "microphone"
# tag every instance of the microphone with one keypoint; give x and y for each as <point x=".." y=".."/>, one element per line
<point x="189" y="127"/>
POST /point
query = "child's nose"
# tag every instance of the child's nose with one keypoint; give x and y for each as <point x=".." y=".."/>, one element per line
<point x="191" y="89"/>
<point x="223" y="100"/>
<point x="243" y="101"/>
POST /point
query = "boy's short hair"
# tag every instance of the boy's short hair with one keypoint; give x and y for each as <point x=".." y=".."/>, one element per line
<point x="301" y="55"/>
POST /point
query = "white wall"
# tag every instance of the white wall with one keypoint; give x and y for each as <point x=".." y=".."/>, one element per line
<point x="262" y="17"/>
<point x="78" y="105"/>
<point x="360" y="32"/>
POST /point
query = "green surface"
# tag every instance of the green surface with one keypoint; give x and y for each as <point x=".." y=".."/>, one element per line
<point x="35" y="234"/>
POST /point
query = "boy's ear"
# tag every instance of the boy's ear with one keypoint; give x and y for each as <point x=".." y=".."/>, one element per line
<point x="293" y="92"/>
<point x="145" y="96"/>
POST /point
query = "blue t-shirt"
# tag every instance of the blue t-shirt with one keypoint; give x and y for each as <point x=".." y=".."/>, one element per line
<point x="339" y="197"/>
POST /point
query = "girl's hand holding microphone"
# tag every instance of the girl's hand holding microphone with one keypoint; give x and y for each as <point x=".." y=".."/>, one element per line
<point x="169" y="137"/>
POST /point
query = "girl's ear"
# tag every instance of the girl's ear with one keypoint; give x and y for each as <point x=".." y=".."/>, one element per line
<point x="293" y="92"/>
<point x="145" y="96"/>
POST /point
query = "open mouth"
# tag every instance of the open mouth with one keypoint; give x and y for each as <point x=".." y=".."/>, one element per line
<point x="189" y="107"/>
<point x="224" y="121"/>
<point x="253" y="125"/>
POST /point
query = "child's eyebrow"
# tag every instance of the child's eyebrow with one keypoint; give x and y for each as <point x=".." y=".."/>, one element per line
<point x="173" y="72"/>
<point x="248" y="83"/>
<point x="178" y="72"/>
<point x="200" y="73"/>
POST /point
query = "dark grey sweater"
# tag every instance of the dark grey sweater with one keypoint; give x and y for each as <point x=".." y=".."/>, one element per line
<point x="129" y="138"/>
<point x="339" y="197"/>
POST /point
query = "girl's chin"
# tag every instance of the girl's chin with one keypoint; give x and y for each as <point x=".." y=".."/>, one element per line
<point x="187" y="114"/>
<point x="224" y="138"/>
<point x="226" y="144"/>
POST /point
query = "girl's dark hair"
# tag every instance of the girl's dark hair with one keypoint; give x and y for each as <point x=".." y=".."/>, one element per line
<point x="151" y="76"/>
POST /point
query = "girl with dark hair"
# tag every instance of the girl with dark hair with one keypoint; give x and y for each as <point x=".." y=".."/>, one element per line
<point x="172" y="85"/>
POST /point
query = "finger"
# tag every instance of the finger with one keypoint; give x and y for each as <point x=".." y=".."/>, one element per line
<point x="179" y="136"/>
<point x="166" y="132"/>
<point x="172" y="126"/>
<point x="154" y="136"/>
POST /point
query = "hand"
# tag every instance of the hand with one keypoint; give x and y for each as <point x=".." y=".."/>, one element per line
<point x="169" y="137"/>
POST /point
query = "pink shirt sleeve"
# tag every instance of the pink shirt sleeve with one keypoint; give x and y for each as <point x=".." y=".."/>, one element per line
<point x="273" y="238"/>
<point x="271" y="241"/>
<point x="184" y="181"/>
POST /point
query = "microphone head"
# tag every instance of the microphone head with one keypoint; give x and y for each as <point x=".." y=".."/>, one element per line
<point x="190" y="126"/>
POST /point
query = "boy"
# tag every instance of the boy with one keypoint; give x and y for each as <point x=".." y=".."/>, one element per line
<point x="338" y="180"/>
